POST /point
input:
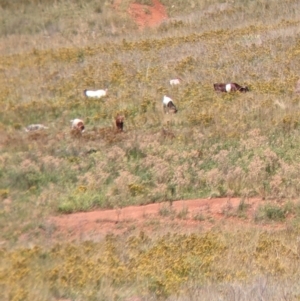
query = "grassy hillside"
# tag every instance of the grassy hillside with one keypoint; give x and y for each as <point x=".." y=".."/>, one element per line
<point x="216" y="145"/>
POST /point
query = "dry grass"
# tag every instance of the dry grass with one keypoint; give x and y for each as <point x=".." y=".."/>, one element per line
<point x="173" y="267"/>
<point x="216" y="145"/>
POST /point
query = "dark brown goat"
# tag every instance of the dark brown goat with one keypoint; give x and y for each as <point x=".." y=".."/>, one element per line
<point x="120" y="122"/>
<point x="230" y="87"/>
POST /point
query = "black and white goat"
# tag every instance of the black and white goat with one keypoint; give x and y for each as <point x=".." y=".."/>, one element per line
<point x="168" y="105"/>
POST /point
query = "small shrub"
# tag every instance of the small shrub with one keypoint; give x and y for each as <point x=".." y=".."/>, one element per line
<point x="242" y="208"/>
<point x="136" y="189"/>
<point x="166" y="210"/>
<point x="135" y="153"/>
<point x="199" y="217"/>
<point x="147" y="11"/>
<point x="144" y="2"/>
<point x="81" y="201"/>
<point x="228" y="209"/>
<point x="17" y="126"/>
<point x="183" y="213"/>
<point x="4" y="193"/>
<point x="270" y="212"/>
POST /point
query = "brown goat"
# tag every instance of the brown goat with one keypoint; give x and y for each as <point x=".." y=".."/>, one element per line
<point x="120" y="122"/>
<point x="77" y="124"/>
<point x="230" y="87"/>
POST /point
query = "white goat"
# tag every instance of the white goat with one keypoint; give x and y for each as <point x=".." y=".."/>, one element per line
<point x="169" y="105"/>
<point x="175" y="81"/>
<point x="35" y="127"/>
<point x="77" y="124"/>
<point x="95" y="93"/>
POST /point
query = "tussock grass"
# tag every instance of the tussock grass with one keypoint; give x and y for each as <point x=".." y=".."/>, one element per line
<point x="217" y="145"/>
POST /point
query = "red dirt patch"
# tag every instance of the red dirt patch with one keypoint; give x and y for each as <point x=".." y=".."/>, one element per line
<point x="146" y="15"/>
<point x="188" y="215"/>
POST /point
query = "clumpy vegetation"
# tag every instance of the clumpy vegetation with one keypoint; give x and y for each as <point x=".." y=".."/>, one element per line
<point x="154" y="268"/>
<point x="234" y="145"/>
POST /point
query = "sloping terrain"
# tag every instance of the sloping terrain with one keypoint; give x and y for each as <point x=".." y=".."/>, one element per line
<point x="198" y="205"/>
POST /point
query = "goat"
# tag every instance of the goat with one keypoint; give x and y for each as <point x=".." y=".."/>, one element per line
<point x="175" y="81"/>
<point x="35" y="127"/>
<point x="168" y="105"/>
<point x="77" y="124"/>
<point x="230" y="87"/>
<point x="120" y="122"/>
<point x="95" y="93"/>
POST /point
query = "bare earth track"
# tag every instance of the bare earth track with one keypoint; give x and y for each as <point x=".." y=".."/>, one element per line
<point x="183" y="216"/>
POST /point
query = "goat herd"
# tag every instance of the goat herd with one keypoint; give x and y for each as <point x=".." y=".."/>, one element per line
<point x="168" y="104"/>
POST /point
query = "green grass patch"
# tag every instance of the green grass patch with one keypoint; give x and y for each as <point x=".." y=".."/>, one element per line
<point x="271" y="212"/>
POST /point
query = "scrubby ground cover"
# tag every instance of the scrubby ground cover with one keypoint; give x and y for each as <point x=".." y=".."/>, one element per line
<point x="156" y="268"/>
<point x="217" y="145"/>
